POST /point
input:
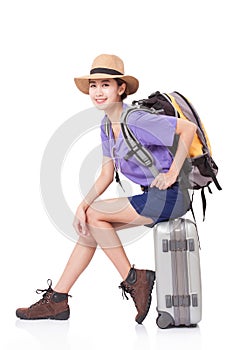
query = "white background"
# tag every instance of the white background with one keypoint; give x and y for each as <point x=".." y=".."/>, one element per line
<point x="169" y="45"/>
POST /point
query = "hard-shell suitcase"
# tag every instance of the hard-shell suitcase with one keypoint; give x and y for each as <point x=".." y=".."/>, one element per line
<point x="178" y="275"/>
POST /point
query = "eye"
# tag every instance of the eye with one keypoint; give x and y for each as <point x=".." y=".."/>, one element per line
<point x="105" y="84"/>
<point x="92" y="85"/>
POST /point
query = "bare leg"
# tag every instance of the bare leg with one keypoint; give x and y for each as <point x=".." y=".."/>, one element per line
<point x="80" y="258"/>
<point x="101" y="217"/>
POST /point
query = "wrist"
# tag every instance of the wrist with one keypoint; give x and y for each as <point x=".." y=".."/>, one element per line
<point x="174" y="172"/>
<point x="85" y="205"/>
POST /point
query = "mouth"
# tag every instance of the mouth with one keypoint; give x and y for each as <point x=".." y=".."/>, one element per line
<point x="100" y="101"/>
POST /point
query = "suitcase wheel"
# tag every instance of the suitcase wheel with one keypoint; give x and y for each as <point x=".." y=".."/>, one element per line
<point x="164" y="320"/>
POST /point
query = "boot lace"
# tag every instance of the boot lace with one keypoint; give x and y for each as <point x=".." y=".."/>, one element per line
<point x="130" y="290"/>
<point x="46" y="296"/>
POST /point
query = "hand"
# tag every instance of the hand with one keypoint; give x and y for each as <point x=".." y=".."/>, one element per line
<point x="79" y="222"/>
<point x="164" y="180"/>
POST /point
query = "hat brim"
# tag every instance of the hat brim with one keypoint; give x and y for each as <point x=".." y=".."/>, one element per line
<point x="82" y="83"/>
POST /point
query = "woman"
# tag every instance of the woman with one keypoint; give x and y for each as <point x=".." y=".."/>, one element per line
<point x="96" y="221"/>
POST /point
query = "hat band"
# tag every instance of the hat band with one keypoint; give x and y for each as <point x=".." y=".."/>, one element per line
<point x="105" y="71"/>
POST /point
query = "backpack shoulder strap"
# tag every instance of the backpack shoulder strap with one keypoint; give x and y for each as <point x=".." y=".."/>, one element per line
<point x="135" y="147"/>
<point x="107" y="127"/>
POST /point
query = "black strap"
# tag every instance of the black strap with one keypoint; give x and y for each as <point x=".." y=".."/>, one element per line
<point x="194" y="218"/>
<point x="212" y="174"/>
<point x="118" y="180"/>
<point x="203" y="202"/>
<point x="105" y="71"/>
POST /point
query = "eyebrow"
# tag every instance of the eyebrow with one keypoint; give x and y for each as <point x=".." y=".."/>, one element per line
<point x="102" y="81"/>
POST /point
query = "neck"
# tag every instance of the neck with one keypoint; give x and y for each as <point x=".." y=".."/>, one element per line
<point x="114" y="112"/>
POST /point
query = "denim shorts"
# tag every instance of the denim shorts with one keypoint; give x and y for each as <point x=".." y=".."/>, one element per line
<point x="161" y="205"/>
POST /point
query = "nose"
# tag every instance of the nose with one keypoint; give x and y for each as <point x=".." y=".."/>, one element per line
<point x="98" y="90"/>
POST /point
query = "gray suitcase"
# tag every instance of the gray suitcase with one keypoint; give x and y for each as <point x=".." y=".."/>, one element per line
<point x="178" y="275"/>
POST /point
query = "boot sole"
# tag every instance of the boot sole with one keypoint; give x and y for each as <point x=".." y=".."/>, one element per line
<point x="150" y="276"/>
<point x="61" y="316"/>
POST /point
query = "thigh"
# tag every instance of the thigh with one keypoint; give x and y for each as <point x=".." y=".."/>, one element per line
<point x="117" y="211"/>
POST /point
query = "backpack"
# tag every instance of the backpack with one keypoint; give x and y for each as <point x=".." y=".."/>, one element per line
<point x="199" y="169"/>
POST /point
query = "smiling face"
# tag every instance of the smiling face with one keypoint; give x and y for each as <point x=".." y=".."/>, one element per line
<point x="104" y="93"/>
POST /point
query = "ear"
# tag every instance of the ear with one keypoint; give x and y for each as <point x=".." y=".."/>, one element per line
<point x="122" y="89"/>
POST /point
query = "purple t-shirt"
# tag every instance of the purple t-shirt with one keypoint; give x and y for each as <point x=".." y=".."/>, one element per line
<point x="154" y="131"/>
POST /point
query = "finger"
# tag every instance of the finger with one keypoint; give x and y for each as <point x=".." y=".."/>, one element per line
<point x="157" y="183"/>
<point x="157" y="180"/>
<point x="83" y="229"/>
<point x="78" y="227"/>
<point x="153" y="184"/>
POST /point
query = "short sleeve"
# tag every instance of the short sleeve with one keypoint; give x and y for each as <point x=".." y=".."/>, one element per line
<point x="152" y="129"/>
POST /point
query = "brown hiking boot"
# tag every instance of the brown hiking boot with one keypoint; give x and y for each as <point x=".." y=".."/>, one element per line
<point x="53" y="305"/>
<point x="139" y="284"/>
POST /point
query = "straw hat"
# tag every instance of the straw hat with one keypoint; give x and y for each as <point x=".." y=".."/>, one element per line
<point x="106" y="67"/>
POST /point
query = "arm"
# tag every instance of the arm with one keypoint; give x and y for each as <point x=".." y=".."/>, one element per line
<point x="186" y="130"/>
<point x="101" y="184"/>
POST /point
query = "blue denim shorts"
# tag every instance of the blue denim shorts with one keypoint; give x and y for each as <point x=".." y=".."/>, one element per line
<point x="161" y="205"/>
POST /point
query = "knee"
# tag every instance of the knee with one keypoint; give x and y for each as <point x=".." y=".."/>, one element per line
<point x="92" y="216"/>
